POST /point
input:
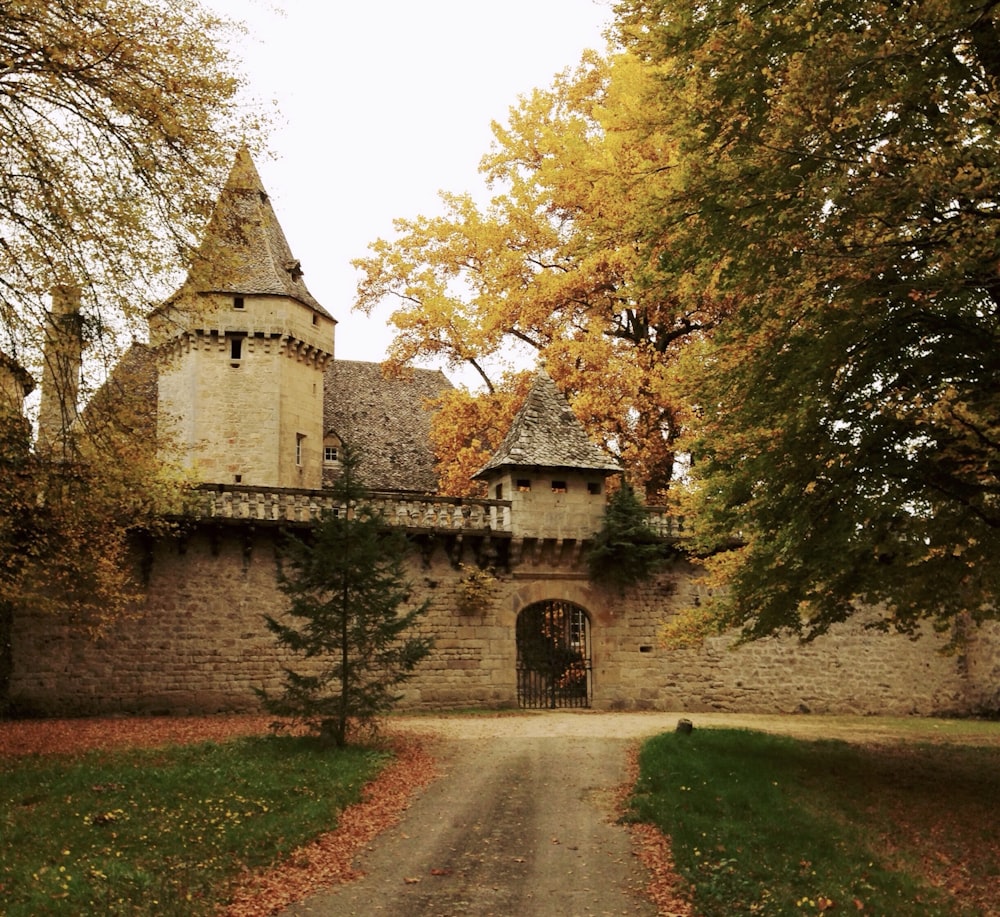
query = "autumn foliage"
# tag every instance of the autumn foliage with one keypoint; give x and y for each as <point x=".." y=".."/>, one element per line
<point x="766" y="241"/>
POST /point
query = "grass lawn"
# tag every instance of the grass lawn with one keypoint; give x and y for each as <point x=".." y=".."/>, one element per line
<point x="765" y="824"/>
<point x="163" y="830"/>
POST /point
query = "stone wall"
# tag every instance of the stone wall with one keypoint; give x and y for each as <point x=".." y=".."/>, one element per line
<point x="200" y="644"/>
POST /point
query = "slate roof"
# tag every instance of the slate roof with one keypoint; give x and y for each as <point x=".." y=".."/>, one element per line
<point x="244" y="250"/>
<point x="385" y="421"/>
<point x="18" y="373"/>
<point x="547" y="434"/>
<point x="127" y="400"/>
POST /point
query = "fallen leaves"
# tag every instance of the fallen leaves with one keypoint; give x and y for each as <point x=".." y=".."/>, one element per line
<point x="329" y="860"/>
<point x="71" y="736"/>
<point x="666" y="888"/>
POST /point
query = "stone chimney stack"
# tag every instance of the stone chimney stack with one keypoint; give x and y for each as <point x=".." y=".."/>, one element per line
<point x="61" y="369"/>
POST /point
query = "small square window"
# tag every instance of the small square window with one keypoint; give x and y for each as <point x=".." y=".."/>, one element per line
<point x="558" y="487"/>
<point x="523" y="485"/>
<point x="594" y="488"/>
<point x="238" y="302"/>
<point x="331" y="454"/>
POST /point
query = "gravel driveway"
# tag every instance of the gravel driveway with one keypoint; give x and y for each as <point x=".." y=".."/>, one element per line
<point x="521" y="822"/>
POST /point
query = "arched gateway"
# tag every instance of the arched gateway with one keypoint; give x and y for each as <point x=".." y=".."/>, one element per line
<point x="553" y="656"/>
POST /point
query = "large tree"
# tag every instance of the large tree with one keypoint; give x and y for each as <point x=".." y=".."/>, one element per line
<point x="557" y="266"/>
<point x="117" y="120"/>
<point x="838" y="170"/>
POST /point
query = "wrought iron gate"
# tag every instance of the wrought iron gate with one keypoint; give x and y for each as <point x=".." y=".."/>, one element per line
<point x="553" y="656"/>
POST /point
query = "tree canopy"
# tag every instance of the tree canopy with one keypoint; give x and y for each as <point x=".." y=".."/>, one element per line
<point x="557" y="265"/>
<point x="117" y="121"/>
<point x="838" y="174"/>
<point x="767" y="236"/>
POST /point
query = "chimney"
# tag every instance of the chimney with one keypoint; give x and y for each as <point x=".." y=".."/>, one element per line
<point x="61" y="370"/>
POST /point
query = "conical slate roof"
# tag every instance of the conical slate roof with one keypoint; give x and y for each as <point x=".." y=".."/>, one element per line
<point x="245" y="250"/>
<point x="546" y="433"/>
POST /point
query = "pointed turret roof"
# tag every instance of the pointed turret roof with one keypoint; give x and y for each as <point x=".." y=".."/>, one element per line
<point x="245" y="250"/>
<point x="546" y="433"/>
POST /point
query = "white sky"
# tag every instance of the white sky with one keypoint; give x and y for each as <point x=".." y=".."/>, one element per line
<point x="382" y="104"/>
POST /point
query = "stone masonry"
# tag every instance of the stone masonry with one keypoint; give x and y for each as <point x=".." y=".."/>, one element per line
<point x="200" y="645"/>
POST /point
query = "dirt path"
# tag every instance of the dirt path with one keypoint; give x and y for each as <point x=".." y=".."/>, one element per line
<point x="522" y="821"/>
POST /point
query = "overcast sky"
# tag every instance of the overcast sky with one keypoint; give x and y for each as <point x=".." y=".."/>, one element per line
<point x="381" y="105"/>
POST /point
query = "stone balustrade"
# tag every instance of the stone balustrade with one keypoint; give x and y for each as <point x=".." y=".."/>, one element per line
<point x="667" y="526"/>
<point x="284" y="505"/>
<point x="412" y="511"/>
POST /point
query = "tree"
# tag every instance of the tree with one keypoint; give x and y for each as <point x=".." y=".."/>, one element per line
<point x="117" y="120"/>
<point x="837" y="173"/>
<point x="74" y="536"/>
<point x="625" y="551"/>
<point x="346" y="585"/>
<point x="556" y="266"/>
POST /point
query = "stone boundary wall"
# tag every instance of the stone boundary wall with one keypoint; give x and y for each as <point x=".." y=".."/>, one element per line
<point x="200" y="645"/>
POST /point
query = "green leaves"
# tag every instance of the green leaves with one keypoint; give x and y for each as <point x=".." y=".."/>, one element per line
<point x="840" y="169"/>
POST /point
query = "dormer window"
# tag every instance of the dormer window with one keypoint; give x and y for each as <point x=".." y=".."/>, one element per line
<point x="294" y="269"/>
<point x="331" y="455"/>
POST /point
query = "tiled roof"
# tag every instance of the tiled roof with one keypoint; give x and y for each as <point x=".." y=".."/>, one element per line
<point x="18" y="373"/>
<point x="384" y="420"/>
<point x="547" y="434"/>
<point x="245" y="250"/>
<point x="127" y="401"/>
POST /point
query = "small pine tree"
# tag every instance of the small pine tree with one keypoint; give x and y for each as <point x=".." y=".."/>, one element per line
<point x="625" y="551"/>
<point x="346" y="586"/>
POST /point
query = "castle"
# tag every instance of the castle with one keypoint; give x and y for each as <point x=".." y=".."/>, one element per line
<point x="242" y="381"/>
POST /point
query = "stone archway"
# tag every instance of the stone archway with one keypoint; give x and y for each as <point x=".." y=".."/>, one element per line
<point x="553" y="655"/>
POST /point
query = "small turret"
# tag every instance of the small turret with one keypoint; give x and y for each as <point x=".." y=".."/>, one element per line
<point x="15" y="385"/>
<point x="549" y="469"/>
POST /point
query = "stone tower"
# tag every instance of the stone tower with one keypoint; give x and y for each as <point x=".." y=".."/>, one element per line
<point x="549" y="469"/>
<point x="241" y="349"/>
